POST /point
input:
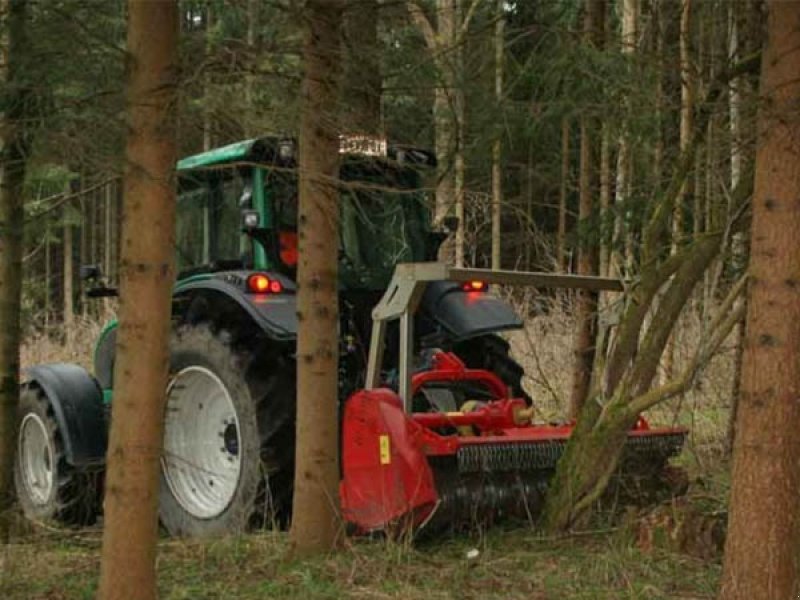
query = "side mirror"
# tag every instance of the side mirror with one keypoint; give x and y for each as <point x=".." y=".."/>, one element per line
<point x="94" y="274"/>
<point x="91" y="273"/>
<point x="450" y="224"/>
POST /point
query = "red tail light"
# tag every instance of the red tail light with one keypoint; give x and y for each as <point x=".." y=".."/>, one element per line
<point x="474" y="286"/>
<point x="259" y="283"/>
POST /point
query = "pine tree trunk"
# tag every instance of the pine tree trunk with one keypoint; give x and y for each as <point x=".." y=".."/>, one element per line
<point x="497" y="173"/>
<point x="738" y="241"/>
<point x="761" y="558"/>
<point x="69" y="292"/>
<point x="586" y="309"/>
<point x="14" y="152"/>
<point x="686" y="128"/>
<point x="146" y="279"/>
<point x="561" y="234"/>
<point x="316" y="526"/>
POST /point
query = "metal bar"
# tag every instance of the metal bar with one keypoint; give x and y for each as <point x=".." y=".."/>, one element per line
<point x="375" y="359"/>
<point x="406" y="356"/>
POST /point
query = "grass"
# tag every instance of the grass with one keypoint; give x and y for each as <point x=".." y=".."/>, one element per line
<point x="511" y="564"/>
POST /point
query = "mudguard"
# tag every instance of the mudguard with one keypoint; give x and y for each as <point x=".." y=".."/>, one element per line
<point x="78" y="408"/>
<point x="275" y="314"/>
<point x="467" y="314"/>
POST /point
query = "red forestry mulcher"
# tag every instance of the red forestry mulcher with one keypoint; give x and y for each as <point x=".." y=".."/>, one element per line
<point x="466" y="465"/>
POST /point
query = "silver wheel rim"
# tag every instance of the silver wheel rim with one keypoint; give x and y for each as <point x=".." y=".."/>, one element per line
<point x="202" y="445"/>
<point x="36" y="455"/>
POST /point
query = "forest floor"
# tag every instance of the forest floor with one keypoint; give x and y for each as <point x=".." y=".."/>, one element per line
<point x="509" y="564"/>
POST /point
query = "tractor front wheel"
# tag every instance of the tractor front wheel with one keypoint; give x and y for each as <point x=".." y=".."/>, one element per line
<point x="215" y="478"/>
<point x="48" y="488"/>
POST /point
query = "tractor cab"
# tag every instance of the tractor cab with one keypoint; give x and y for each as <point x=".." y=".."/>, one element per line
<point x="238" y="206"/>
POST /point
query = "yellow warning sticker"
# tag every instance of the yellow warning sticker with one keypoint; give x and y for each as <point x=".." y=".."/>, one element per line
<point x="386" y="452"/>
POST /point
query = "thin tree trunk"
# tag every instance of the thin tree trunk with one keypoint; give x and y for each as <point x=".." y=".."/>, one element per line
<point x="586" y="309"/>
<point x="761" y="558"/>
<point x="207" y="139"/>
<point x="561" y="235"/>
<point x="497" y="173"/>
<point x="47" y="275"/>
<point x="69" y="292"/>
<point x="738" y="241"/>
<point x="630" y="11"/>
<point x="605" y="201"/>
<point x="14" y="153"/>
<point x="316" y="526"/>
<point x="147" y="273"/>
<point x="686" y="129"/>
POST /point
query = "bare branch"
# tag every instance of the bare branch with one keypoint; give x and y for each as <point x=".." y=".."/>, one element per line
<point x="468" y="18"/>
<point x="727" y="318"/>
<point x="423" y="23"/>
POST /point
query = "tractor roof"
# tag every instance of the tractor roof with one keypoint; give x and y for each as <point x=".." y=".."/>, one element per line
<point x="282" y="150"/>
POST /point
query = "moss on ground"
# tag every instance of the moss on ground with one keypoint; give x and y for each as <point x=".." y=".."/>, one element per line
<point x="510" y="564"/>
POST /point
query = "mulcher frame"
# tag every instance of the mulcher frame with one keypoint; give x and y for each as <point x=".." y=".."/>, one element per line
<point x="403" y="295"/>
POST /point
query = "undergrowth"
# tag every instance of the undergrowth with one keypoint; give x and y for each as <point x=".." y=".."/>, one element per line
<point x="509" y="564"/>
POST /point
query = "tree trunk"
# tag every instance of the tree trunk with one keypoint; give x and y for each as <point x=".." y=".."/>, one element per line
<point x="761" y="558"/>
<point x="624" y="159"/>
<point x="69" y="292"/>
<point x="586" y="310"/>
<point x="362" y="82"/>
<point x="561" y="234"/>
<point x="686" y="128"/>
<point x="14" y="153"/>
<point x="738" y="241"/>
<point x="146" y="280"/>
<point x="497" y="173"/>
<point x="316" y="526"/>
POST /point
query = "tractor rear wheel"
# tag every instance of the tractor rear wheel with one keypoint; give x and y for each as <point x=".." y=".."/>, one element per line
<point x="228" y="436"/>
<point x="493" y="353"/>
<point x="48" y="488"/>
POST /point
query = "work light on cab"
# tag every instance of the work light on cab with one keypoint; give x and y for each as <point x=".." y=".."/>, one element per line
<point x="259" y="283"/>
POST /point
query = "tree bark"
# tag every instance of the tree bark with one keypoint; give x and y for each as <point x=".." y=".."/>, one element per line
<point x="69" y="292"/>
<point x="146" y="279"/>
<point x="14" y="144"/>
<point x="316" y="526"/>
<point x="686" y="129"/>
<point x="497" y="173"/>
<point x="561" y="235"/>
<point x="586" y="309"/>
<point x="761" y="558"/>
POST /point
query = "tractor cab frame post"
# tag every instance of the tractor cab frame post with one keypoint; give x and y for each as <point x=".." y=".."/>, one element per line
<point x="403" y="295"/>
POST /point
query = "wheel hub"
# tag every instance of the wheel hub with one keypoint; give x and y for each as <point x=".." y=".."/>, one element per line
<point x="201" y="462"/>
<point x="36" y="454"/>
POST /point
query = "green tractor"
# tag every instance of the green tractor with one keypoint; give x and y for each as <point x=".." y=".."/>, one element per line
<point x="229" y="423"/>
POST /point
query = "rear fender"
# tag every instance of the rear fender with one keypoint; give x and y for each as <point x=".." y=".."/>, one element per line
<point x="467" y="314"/>
<point x="222" y="298"/>
<point x="78" y="409"/>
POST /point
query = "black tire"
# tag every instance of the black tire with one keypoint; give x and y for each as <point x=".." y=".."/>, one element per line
<point x="71" y="497"/>
<point x="260" y="386"/>
<point x="491" y="352"/>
